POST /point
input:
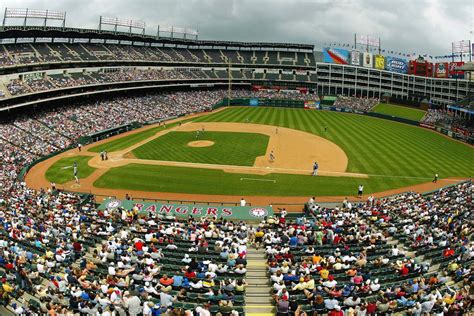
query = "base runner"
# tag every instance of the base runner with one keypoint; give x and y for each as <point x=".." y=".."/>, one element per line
<point x="272" y="156"/>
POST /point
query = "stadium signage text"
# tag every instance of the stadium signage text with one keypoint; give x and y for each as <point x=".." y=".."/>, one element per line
<point x="184" y="210"/>
<point x="396" y="65"/>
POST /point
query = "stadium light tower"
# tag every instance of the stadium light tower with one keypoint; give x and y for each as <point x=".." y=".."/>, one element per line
<point x="116" y="22"/>
<point x="25" y="14"/>
<point x="174" y="30"/>
<point x="229" y="73"/>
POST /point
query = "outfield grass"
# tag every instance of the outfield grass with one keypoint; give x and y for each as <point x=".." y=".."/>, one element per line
<point x="62" y="170"/>
<point x="374" y="146"/>
<point x="399" y="111"/>
<point x="210" y="181"/>
<point x="230" y="148"/>
<point x="129" y="140"/>
<point x="393" y="155"/>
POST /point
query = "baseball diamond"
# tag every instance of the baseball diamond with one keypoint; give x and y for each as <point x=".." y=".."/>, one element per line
<point x="349" y="154"/>
<point x="153" y="170"/>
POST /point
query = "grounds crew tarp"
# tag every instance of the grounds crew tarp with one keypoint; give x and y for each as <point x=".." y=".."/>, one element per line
<point x="185" y="210"/>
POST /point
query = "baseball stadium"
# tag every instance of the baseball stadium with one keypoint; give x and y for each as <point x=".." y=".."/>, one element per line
<point x="147" y="171"/>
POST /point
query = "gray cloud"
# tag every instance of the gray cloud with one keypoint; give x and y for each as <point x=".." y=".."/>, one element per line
<point x="424" y="26"/>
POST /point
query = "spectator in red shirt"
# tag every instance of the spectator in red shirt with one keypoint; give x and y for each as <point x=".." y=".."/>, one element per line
<point x="190" y="274"/>
<point x="336" y="312"/>
<point x="166" y="281"/>
<point x="371" y="308"/>
<point x="404" y="270"/>
<point x="139" y="245"/>
<point x="448" y="252"/>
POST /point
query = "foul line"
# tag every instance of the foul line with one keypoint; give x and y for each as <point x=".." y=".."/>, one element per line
<point x="252" y="179"/>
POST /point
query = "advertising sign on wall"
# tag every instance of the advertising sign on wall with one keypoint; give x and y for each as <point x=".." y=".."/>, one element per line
<point x="441" y="70"/>
<point x="379" y="62"/>
<point x="368" y="60"/>
<point x="396" y="65"/>
<point x="355" y="58"/>
<point x="453" y="70"/>
<point x="336" y="56"/>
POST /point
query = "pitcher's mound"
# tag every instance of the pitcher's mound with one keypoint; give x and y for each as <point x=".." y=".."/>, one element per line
<point x="201" y="143"/>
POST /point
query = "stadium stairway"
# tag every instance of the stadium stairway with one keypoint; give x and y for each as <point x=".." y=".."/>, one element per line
<point x="258" y="300"/>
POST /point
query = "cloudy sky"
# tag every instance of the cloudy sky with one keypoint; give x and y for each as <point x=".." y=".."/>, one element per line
<point x="422" y="26"/>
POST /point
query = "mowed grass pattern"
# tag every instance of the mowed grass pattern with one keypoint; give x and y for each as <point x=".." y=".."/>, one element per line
<point x="209" y="181"/>
<point x="62" y="171"/>
<point x="230" y="148"/>
<point x="129" y="140"/>
<point x="394" y="155"/>
<point x="399" y="111"/>
<point x="373" y="146"/>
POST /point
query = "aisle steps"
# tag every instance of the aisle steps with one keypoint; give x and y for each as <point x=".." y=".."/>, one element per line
<point x="258" y="299"/>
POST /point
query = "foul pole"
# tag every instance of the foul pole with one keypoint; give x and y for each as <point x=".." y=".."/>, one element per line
<point x="229" y="73"/>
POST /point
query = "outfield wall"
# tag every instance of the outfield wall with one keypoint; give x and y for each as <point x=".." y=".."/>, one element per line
<point x="279" y="103"/>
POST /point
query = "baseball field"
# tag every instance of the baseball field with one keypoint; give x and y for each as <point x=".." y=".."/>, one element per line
<point x="399" y="111"/>
<point x="230" y="155"/>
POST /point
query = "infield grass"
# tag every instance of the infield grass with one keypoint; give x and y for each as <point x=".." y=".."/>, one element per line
<point x="62" y="170"/>
<point x="399" y="111"/>
<point x="230" y="148"/>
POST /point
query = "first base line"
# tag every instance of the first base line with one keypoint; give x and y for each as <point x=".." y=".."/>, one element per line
<point x="251" y="179"/>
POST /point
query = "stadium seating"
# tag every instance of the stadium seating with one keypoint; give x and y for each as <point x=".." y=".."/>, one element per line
<point x="341" y="258"/>
<point x="351" y="258"/>
<point x="37" y="53"/>
<point x="354" y="103"/>
<point x="411" y="254"/>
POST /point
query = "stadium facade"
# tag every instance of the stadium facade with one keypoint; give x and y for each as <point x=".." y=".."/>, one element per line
<point x="61" y="62"/>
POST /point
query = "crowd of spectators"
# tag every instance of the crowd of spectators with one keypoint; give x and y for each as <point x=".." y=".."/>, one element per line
<point x="449" y="120"/>
<point x="365" y="258"/>
<point x="441" y="117"/>
<point x="18" y="87"/>
<point x="409" y="253"/>
<point x="284" y="95"/>
<point x="356" y="103"/>
<point x="72" y="258"/>
<point x="115" y="75"/>
<point x="398" y="254"/>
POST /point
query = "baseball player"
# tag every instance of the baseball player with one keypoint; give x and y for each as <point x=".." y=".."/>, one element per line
<point x="435" y="179"/>
<point x="79" y="146"/>
<point x="75" y="172"/>
<point x="315" y="168"/>
<point x="360" y="191"/>
<point x="276" y="130"/>
<point x="197" y="134"/>
<point x="272" y="156"/>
